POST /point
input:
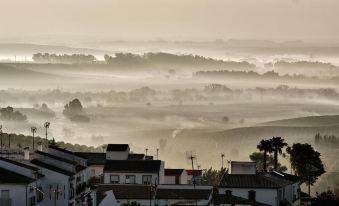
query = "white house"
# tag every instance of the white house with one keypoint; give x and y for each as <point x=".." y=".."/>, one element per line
<point x="161" y="195"/>
<point x="175" y="176"/>
<point x="66" y="181"/>
<point x="19" y="183"/>
<point x="95" y="163"/>
<point x="117" y="151"/>
<point x="183" y="195"/>
<point x="243" y="167"/>
<point x="134" y="172"/>
<point x="268" y="188"/>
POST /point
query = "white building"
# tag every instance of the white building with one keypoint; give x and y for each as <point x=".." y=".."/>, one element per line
<point x="95" y="163"/>
<point x="66" y="181"/>
<point x="134" y="172"/>
<point x="161" y="195"/>
<point x="267" y="188"/>
<point x="117" y="151"/>
<point x="19" y="184"/>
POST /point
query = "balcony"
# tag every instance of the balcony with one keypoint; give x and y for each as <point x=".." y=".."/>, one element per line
<point x="5" y="201"/>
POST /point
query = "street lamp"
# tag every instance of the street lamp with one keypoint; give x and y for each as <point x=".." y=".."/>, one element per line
<point x="46" y="125"/>
<point x="1" y="137"/>
<point x="33" y="130"/>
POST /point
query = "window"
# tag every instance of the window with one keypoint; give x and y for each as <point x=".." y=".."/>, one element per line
<point x="228" y="192"/>
<point x="5" y="198"/>
<point x="40" y="194"/>
<point x="251" y="195"/>
<point x="130" y="179"/>
<point x="5" y="194"/>
<point x="146" y="179"/>
<point x="115" y="179"/>
<point x="32" y="201"/>
<point x="71" y="191"/>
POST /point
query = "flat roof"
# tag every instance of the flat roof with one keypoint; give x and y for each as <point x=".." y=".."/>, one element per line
<point x="117" y="147"/>
<point x="151" y="166"/>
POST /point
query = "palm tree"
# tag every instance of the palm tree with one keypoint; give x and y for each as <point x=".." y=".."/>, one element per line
<point x="278" y="144"/>
<point x="266" y="147"/>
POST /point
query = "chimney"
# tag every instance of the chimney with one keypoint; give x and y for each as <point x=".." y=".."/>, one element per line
<point x="26" y="153"/>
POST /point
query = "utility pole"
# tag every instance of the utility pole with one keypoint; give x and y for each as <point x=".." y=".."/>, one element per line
<point x="33" y="130"/>
<point x="222" y="161"/>
<point x="9" y="141"/>
<point x="1" y="137"/>
<point x="46" y="125"/>
<point x="192" y="158"/>
<point x="157" y="153"/>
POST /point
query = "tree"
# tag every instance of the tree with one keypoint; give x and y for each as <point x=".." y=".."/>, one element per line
<point x="212" y="176"/>
<point x="8" y="113"/>
<point x="258" y="157"/>
<point x="74" y="111"/>
<point x="278" y="144"/>
<point x="327" y="198"/>
<point x="306" y="162"/>
<point x="266" y="147"/>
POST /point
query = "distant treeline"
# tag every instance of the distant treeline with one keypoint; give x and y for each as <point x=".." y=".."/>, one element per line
<point x="209" y="94"/>
<point x="146" y="59"/>
<point x="217" y="74"/>
<point x="326" y="140"/>
<point x="63" y="58"/>
<point x="19" y="141"/>
<point x="167" y="58"/>
<point x="302" y="64"/>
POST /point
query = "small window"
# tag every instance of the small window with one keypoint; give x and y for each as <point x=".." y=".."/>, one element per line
<point x="40" y="194"/>
<point x="146" y="179"/>
<point x="228" y="192"/>
<point x="115" y="179"/>
<point x="5" y="194"/>
<point x="130" y="179"/>
<point x="251" y="195"/>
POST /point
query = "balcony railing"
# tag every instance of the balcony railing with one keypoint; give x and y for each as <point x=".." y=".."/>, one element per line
<point x="5" y="201"/>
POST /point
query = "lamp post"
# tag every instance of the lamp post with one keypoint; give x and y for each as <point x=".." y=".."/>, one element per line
<point x="46" y="125"/>
<point x="33" y="130"/>
<point x="1" y="137"/>
<point x="9" y="141"/>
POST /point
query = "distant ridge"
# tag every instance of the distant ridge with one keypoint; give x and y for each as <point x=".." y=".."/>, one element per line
<point x="309" y="121"/>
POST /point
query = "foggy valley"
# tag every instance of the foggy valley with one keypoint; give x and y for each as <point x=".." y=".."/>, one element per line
<point x="217" y="79"/>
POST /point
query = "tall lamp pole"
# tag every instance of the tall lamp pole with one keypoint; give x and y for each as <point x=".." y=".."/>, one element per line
<point x="33" y="130"/>
<point x="9" y="141"/>
<point x="46" y="125"/>
<point x="1" y="137"/>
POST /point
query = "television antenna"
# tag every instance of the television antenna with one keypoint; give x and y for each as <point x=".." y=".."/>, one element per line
<point x="192" y="158"/>
<point x="1" y="137"/>
<point x="222" y="160"/>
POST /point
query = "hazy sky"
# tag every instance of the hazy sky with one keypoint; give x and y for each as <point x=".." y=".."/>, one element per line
<point x="310" y="20"/>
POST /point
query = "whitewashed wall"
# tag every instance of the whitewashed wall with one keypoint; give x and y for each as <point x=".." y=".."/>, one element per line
<point x="138" y="177"/>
